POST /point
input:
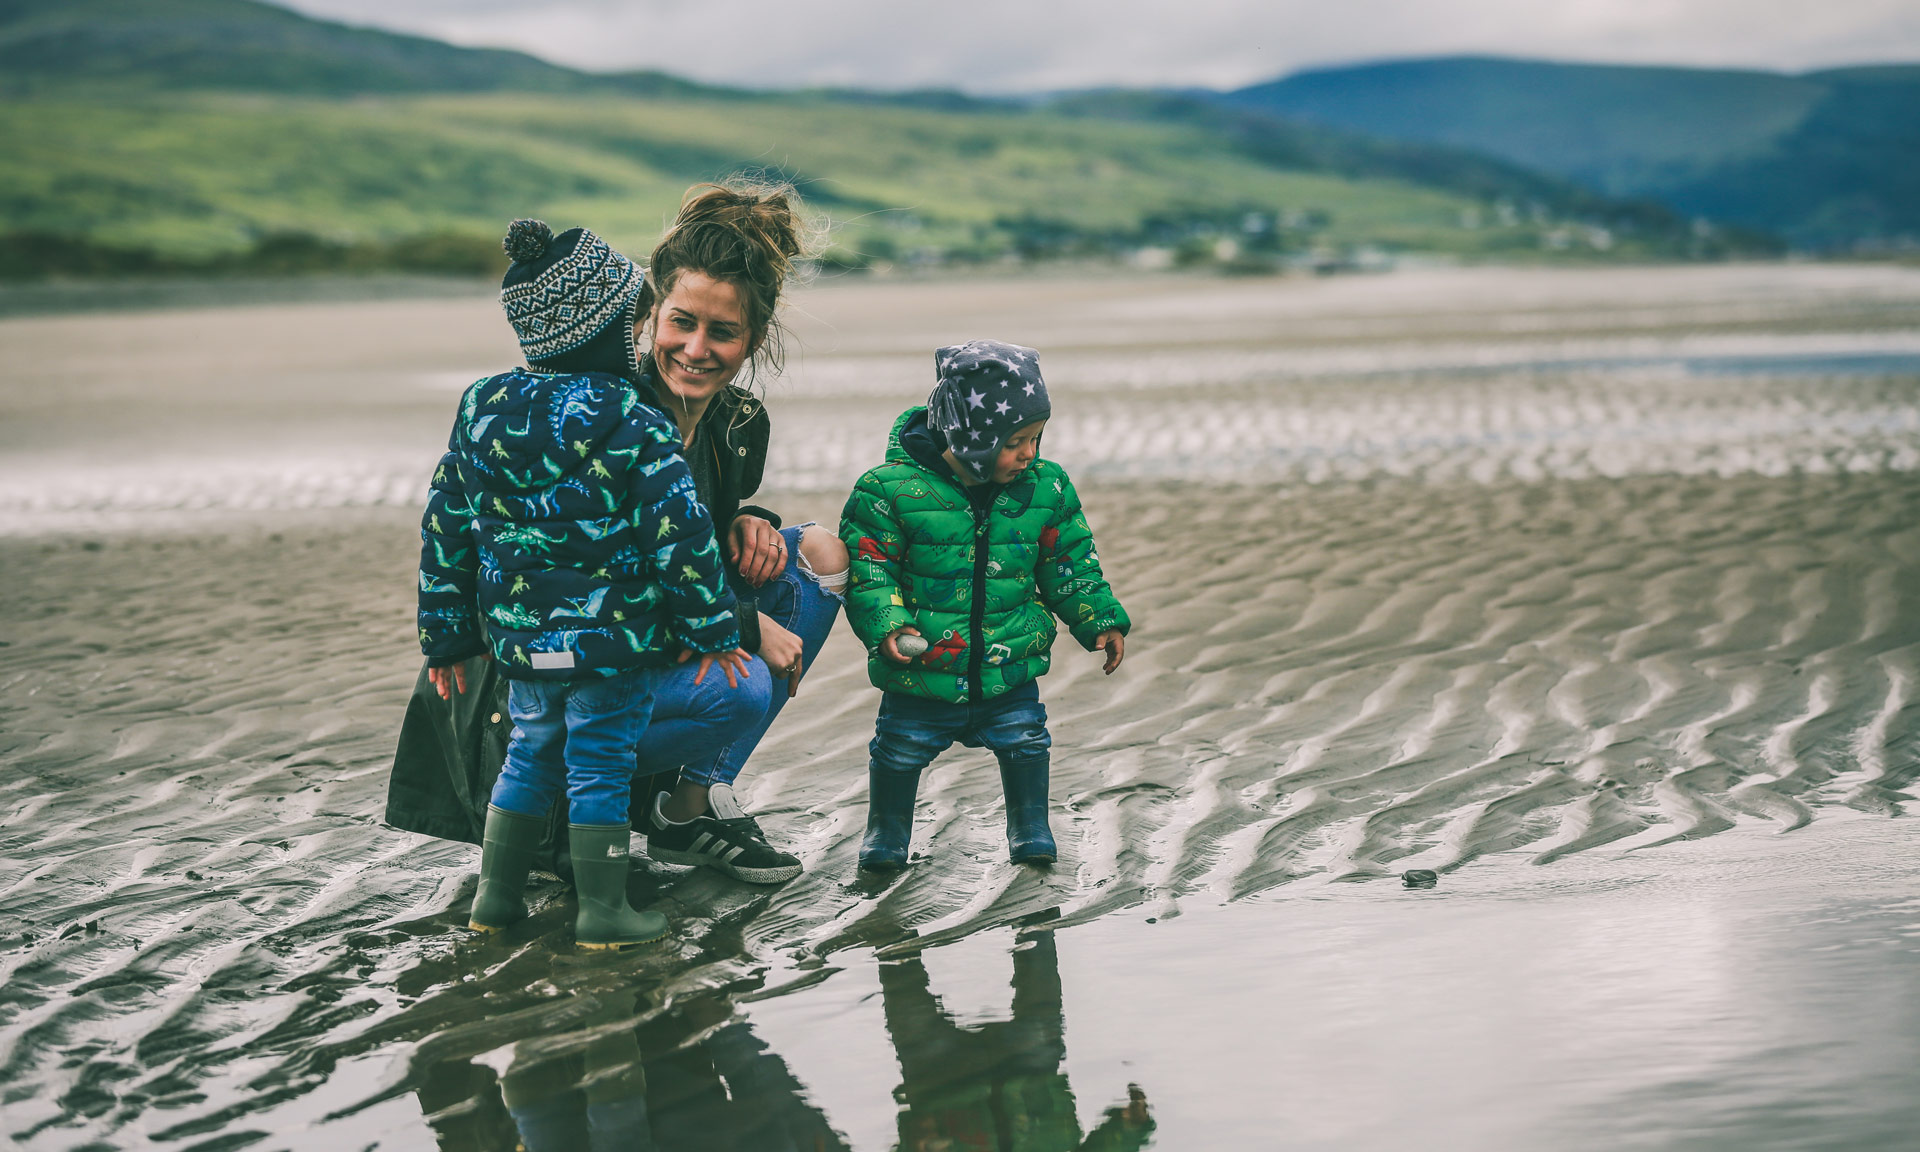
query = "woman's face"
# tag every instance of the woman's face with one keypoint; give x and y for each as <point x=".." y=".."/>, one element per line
<point x="700" y="337"/>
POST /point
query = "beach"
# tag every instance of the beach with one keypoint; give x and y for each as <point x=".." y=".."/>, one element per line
<point x="1592" y="591"/>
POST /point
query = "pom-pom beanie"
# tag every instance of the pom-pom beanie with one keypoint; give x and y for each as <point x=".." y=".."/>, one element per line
<point x="570" y="299"/>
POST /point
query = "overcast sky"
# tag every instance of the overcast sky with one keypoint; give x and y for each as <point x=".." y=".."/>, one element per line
<point x="1027" y="45"/>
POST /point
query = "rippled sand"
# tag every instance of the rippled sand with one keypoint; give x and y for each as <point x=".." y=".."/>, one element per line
<point x="1594" y="593"/>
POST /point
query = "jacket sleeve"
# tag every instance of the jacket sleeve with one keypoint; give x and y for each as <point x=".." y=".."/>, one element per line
<point x="686" y="557"/>
<point x="875" y="607"/>
<point x="449" y="568"/>
<point x="1071" y="583"/>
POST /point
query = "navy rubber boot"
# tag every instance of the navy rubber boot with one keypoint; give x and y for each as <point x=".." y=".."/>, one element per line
<point x="890" y="797"/>
<point x="1024" y="780"/>
<point x="507" y="848"/>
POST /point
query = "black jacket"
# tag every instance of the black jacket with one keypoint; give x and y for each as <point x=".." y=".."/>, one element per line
<point x="733" y="435"/>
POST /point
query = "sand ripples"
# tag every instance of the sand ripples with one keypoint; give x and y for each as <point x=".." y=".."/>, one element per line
<point x="1393" y="620"/>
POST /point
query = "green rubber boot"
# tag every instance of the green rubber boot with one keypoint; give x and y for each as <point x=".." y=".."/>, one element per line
<point x="507" y="849"/>
<point x="605" y="919"/>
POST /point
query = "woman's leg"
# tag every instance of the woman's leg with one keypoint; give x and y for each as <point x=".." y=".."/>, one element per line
<point x="694" y="723"/>
<point x="805" y="600"/>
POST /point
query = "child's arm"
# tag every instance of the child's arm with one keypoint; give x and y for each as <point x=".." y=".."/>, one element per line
<point x="449" y="572"/>
<point x="1072" y="585"/>
<point x="875" y="608"/>
<point x="672" y="521"/>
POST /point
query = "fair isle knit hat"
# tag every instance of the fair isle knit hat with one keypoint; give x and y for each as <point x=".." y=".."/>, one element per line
<point x="563" y="291"/>
<point x="987" y="391"/>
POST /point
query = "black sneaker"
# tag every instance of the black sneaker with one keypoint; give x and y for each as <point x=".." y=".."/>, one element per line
<point x="726" y="838"/>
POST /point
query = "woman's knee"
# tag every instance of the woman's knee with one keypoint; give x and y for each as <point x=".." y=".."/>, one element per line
<point x="715" y="701"/>
<point x="748" y="702"/>
<point x="823" y="556"/>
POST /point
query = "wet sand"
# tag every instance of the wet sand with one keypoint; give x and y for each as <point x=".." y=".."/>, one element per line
<point x="1593" y="592"/>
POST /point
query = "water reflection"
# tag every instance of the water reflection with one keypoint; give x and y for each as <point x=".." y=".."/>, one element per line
<point x="596" y="1071"/>
<point x="1000" y="1085"/>
<point x="694" y="1079"/>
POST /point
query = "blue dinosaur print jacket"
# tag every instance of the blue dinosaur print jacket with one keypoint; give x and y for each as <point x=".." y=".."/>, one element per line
<point x="562" y="531"/>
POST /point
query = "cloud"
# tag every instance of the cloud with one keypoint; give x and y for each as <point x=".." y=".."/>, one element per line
<point x="1022" y="45"/>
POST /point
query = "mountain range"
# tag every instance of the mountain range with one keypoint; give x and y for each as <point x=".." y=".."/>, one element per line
<point x="166" y="134"/>
<point x="1827" y="159"/>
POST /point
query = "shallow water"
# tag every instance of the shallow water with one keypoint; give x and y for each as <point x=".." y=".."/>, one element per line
<point x="1619" y="641"/>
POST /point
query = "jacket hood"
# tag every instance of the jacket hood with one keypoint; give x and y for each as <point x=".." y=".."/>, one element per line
<point x="529" y="430"/>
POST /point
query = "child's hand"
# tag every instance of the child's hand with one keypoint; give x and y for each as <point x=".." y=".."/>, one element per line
<point x="448" y="680"/>
<point x="733" y="663"/>
<point x="1116" y="646"/>
<point x="890" y="651"/>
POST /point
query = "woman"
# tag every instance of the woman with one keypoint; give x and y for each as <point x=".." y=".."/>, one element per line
<point x="705" y="315"/>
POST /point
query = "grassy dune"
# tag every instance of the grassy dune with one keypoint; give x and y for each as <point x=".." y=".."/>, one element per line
<point x="205" y="177"/>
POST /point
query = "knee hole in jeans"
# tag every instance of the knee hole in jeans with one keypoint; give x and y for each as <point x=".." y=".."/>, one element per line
<point x="824" y="559"/>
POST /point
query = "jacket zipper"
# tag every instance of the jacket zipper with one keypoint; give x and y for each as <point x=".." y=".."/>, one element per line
<point x="982" y="516"/>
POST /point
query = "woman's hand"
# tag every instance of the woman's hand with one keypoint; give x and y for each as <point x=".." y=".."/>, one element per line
<point x="733" y="663"/>
<point x="1116" y="646"/>
<point x="781" y="650"/>
<point x="757" y="549"/>
<point x="888" y="650"/>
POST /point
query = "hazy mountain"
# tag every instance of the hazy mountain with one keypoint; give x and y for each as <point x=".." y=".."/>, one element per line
<point x="1828" y="158"/>
<point x="241" y="44"/>
<point x="178" y="134"/>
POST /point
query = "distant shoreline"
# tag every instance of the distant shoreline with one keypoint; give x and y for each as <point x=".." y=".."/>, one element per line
<point x="161" y="293"/>
<point x="141" y="293"/>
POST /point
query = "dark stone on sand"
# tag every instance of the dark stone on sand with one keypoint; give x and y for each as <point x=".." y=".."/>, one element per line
<point x="1420" y="877"/>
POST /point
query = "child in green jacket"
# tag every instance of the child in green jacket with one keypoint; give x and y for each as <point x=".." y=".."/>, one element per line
<point x="966" y="545"/>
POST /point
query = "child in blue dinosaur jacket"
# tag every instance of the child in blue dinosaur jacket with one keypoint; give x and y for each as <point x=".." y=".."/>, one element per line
<point x="564" y="534"/>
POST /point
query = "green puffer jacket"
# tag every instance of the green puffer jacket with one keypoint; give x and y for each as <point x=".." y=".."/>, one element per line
<point x="915" y="539"/>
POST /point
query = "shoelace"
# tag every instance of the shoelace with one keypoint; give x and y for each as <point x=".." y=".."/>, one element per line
<point x="746" y="823"/>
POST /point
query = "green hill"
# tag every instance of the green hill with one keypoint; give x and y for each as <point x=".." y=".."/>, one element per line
<point x="225" y="134"/>
<point x="250" y="46"/>
<point x="1828" y="158"/>
<point x="1847" y="175"/>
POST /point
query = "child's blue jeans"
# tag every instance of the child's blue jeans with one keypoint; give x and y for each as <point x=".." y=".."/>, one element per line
<point x="577" y="736"/>
<point x="911" y="731"/>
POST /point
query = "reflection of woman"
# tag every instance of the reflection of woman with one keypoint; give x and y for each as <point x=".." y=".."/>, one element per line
<point x="687" y="1080"/>
<point x="998" y="1086"/>
<point x="707" y="313"/>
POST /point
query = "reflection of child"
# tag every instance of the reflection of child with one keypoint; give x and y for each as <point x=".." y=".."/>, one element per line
<point x="967" y="538"/>
<point x="1000" y="1085"/>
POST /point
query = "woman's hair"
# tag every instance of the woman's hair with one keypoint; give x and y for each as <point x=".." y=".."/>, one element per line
<point x="747" y="232"/>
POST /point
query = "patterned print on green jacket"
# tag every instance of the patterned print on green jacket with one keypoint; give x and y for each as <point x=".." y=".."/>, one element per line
<point x="982" y="584"/>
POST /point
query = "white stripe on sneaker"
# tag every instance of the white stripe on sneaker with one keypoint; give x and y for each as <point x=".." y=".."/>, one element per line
<point x="731" y="853"/>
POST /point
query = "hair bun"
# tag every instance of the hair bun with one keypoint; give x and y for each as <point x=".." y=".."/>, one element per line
<point x="527" y="240"/>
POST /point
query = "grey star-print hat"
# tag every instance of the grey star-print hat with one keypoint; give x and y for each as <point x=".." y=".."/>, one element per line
<point x="987" y="390"/>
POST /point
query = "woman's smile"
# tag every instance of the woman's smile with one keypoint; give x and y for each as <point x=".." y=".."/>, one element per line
<point x="700" y="341"/>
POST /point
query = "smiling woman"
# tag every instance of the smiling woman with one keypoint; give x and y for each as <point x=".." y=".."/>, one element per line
<point x="709" y="311"/>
